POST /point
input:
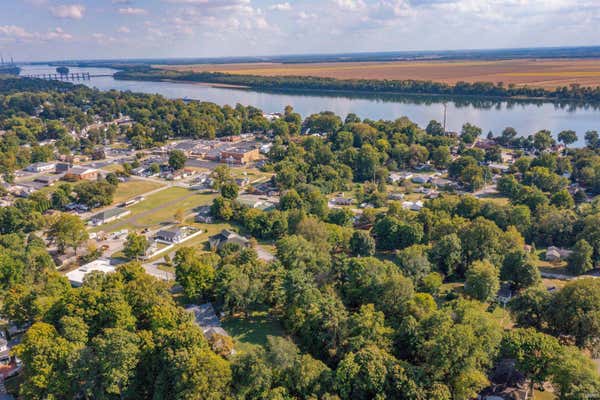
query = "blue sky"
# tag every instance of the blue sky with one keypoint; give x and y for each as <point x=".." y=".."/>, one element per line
<point x="89" y="29"/>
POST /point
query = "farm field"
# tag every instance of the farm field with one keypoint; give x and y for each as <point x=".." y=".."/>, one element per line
<point x="546" y="73"/>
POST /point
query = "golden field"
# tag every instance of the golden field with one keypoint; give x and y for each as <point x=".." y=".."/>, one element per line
<point x="546" y="73"/>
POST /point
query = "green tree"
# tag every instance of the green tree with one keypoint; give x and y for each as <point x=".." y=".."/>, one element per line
<point x="47" y="363"/>
<point x="580" y="261"/>
<point x="574" y="376"/>
<point x="575" y="310"/>
<point x="195" y="276"/>
<point x="520" y="269"/>
<point x="108" y="364"/>
<point x="252" y="377"/>
<point x="362" y="244"/>
<point x="534" y="352"/>
<point x="177" y="159"/>
<point x="543" y="140"/>
<point x="68" y="231"/>
<point x="367" y="327"/>
<point x="482" y="282"/>
<point x="230" y="190"/>
<point x="567" y="137"/>
<point x="135" y="246"/>
<point x="446" y="254"/>
<point x="413" y="261"/>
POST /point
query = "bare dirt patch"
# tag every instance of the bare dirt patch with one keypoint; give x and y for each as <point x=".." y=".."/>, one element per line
<point x="547" y="73"/>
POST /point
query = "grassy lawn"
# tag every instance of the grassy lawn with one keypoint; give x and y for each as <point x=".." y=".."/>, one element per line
<point x="249" y="332"/>
<point x="113" y="167"/>
<point x="253" y="174"/>
<point x="199" y="241"/>
<point x="495" y="198"/>
<point x="159" y="209"/>
<point x="134" y="187"/>
<point x="502" y="315"/>
<point x="545" y="395"/>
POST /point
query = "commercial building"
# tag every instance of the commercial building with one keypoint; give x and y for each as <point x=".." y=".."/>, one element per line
<point x="82" y="173"/>
<point x="108" y="216"/>
<point x="41" y="167"/>
<point x="240" y="154"/>
<point x="77" y="276"/>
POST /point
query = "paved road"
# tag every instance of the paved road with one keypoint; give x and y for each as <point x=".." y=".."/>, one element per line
<point x="152" y="269"/>
<point x="563" y="277"/>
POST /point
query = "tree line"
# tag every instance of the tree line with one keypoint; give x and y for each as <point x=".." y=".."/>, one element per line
<point x="574" y="92"/>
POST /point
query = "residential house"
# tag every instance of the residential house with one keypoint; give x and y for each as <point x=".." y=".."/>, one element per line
<point x="556" y="254"/>
<point x="442" y="183"/>
<point x="396" y="196"/>
<point x="397" y="177"/>
<point x="170" y="236"/>
<point x="343" y="201"/>
<point x="227" y="237"/>
<point x="420" y="179"/>
<point x="139" y="171"/>
<point x="206" y="318"/>
<point x="109" y="216"/>
<point x="504" y="294"/>
<point x="266" y="148"/>
<point x="412" y="205"/>
<point x="503" y="168"/>
<point x="204" y="215"/>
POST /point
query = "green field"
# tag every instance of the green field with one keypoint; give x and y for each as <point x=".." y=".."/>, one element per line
<point x="159" y="209"/>
<point x="252" y="331"/>
<point x="134" y="187"/>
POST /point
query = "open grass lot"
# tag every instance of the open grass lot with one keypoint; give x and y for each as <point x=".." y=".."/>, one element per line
<point x="547" y="73"/>
<point x="134" y="187"/>
<point x="251" y="331"/>
<point x="159" y="209"/>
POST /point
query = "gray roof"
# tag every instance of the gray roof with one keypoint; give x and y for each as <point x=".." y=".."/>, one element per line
<point x="205" y="315"/>
<point x="227" y="236"/>
<point x="167" y="234"/>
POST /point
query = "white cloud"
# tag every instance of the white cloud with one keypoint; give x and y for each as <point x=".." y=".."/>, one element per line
<point x="70" y="11"/>
<point x="59" y="33"/>
<point x="211" y="3"/>
<point x="132" y="11"/>
<point x="350" y="5"/>
<point x="281" y="7"/>
<point x="103" y="39"/>
<point x="14" y="31"/>
<point x="124" y="29"/>
<point x="19" y="33"/>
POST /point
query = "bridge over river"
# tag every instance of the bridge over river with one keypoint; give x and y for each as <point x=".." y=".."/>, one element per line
<point x="74" y="76"/>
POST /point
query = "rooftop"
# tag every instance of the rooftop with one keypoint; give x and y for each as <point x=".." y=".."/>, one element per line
<point x="76" y="276"/>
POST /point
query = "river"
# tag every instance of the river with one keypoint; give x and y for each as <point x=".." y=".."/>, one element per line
<point x="525" y="117"/>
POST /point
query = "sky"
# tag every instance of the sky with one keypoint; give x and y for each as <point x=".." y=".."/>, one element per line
<point x="37" y="30"/>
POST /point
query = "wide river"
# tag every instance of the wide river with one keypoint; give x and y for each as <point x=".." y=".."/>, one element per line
<point x="525" y="117"/>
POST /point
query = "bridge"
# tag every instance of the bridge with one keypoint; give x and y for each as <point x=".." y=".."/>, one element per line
<point x="75" y="76"/>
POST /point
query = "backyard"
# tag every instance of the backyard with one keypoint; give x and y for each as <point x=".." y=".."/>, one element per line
<point x="251" y="331"/>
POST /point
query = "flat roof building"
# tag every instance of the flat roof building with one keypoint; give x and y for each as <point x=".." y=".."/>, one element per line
<point x="77" y="276"/>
